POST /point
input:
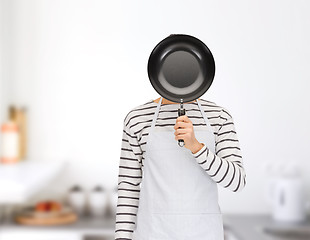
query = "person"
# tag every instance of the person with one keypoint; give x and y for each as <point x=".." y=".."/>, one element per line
<point x="170" y="192"/>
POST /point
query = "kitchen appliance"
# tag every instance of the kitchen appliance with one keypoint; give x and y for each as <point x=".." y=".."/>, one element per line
<point x="286" y="194"/>
<point x="181" y="68"/>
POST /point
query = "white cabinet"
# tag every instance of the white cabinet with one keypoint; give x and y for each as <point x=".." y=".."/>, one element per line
<point x="40" y="235"/>
<point x="20" y="181"/>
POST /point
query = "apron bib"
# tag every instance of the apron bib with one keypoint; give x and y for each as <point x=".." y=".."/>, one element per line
<point x="178" y="199"/>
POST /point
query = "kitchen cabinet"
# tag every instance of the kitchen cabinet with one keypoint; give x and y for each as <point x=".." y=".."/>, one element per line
<point x="20" y="181"/>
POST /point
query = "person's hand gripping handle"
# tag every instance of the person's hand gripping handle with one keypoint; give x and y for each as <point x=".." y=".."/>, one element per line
<point x="181" y="111"/>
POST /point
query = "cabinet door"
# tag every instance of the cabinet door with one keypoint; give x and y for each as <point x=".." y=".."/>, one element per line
<point x="38" y="235"/>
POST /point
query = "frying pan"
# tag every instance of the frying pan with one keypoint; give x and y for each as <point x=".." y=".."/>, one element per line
<point x="181" y="68"/>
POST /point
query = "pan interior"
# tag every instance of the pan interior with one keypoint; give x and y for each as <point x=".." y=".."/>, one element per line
<point x="180" y="69"/>
<point x="180" y="73"/>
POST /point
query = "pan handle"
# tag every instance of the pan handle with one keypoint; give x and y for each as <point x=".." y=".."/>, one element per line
<point x="181" y="111"/>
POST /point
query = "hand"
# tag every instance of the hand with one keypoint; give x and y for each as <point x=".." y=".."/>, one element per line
<point x="184" y="130"/>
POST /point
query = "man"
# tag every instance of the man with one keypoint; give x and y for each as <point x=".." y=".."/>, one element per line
<point x="170" y="192"/>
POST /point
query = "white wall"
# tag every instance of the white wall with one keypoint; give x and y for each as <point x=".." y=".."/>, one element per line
<point x="1" y="63"/>
<point x="80" y="66"/>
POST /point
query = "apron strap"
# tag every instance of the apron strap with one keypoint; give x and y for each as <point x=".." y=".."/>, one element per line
<point x="155" y="115"/>
<point x="200" y="108"/>
<point x="204" y="116"/>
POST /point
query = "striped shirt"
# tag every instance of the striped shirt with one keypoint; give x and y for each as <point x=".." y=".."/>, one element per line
<point x="225" y="166"/>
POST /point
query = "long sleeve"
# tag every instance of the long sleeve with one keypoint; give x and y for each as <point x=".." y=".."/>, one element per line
<point x="225" y="166"/>
<point x="129" y="179"/>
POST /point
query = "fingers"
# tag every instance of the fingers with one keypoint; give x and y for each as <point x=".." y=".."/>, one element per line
<point x="182" y="125"/>
<point x="183" y="118"/>
<point x="186" y="136"/>
<point x="181" y="131"/>
<point x="181" y="136"/>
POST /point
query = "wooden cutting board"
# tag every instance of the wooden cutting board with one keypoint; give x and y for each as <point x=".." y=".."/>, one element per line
<point x="51" y="220"/>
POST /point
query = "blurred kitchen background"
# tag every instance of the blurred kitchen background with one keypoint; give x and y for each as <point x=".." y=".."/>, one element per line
<point x="70" y="71"/>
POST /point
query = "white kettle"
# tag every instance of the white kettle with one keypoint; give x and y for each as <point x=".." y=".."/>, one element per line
<point x="287" y="197"/>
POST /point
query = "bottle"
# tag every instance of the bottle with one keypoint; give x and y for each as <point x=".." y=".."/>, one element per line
<point x="10" y="139"/>
<point x="22" y="127"/>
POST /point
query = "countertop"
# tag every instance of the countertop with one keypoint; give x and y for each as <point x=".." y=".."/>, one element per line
<point x="250" y="227"/>
<point x="243" y="227"/>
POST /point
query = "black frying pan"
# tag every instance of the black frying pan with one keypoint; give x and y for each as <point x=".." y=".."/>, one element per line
<point x="181" y="68"/>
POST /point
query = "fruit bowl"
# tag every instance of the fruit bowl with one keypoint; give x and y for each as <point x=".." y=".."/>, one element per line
<point x="32" y="212"/>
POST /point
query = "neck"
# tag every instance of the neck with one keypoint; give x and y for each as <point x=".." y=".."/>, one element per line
<point x="166" y="101"/>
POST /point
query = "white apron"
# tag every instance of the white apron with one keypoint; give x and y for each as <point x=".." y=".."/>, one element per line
<point x="178" y="199"/>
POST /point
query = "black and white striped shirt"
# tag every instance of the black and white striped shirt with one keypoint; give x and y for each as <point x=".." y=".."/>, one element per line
<point x="225" y="166"/>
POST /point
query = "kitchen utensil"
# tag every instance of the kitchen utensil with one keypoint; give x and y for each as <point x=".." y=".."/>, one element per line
<point x="98" y="201"/>
<point x="77" y="199"/>
<point x="181" y="68"/>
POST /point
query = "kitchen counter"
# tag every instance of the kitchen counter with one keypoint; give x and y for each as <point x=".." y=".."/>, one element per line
<point x="251" y="227"/>
<point x="84" y="226"/>
<point x="237" y="227"/>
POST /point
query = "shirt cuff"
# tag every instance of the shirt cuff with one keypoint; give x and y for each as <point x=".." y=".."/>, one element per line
<point x="201" y="152"/>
